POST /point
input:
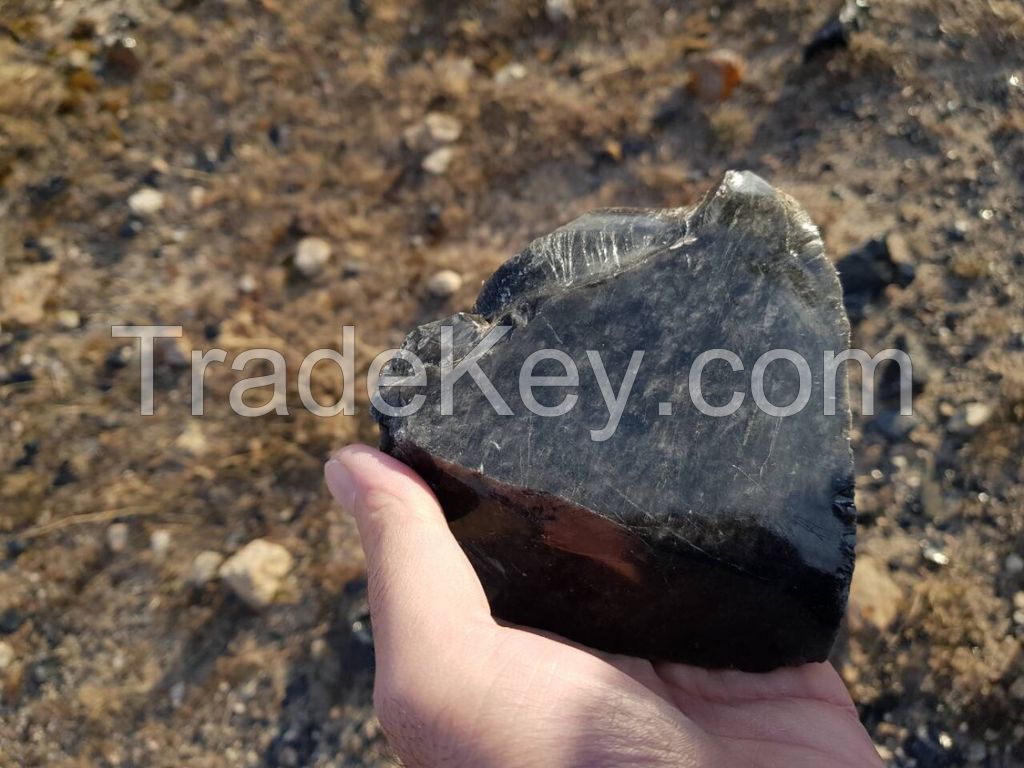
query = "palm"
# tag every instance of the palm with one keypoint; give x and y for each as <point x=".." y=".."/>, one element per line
<point x="792" y="717"/>
<point x="455" y="688"/>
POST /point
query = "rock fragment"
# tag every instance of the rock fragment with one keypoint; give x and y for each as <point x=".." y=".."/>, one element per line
<point x="23" y="296"/>
<point x="160" y="542"/>
<point x="256" y="571"/>
<point x="713" y="77"/>
<point x="444" y="283"/>
<point x="204" y="568"/>
<point x="68" y="319"/>
<point x="146" y="201"/>
<point x="437" y="162"/>
<point x="443" y="129"/>
<point x="724" y="540"/>
<point x="311" y="256"/>
<point x="970" y="418"/>
<point x="117" y="537"/>
<point x="436" y="129"/>
<point x="510" y="73"/>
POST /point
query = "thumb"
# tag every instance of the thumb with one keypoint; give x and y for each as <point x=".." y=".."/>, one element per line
<point x="421" y="586"/>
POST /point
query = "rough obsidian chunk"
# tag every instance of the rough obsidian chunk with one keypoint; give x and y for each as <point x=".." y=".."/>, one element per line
<point x="723" y="541"/>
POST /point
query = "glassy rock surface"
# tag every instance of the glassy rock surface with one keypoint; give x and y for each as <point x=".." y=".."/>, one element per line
<point x="668" y="533"/>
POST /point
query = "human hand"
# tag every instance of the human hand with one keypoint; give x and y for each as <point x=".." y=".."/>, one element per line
<point x="454" y="687"/>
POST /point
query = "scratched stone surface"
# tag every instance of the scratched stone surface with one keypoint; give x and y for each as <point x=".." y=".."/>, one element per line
<point x="651" y="529"/>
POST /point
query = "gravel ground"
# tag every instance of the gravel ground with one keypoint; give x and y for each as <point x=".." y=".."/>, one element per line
<point x="161" y="162"/>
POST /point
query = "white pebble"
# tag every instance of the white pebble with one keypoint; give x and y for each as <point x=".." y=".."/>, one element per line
<point x="560" y="10"/>
<point x="444" y="283"/>
<point x="437" y="162"/>
<point x="78" y="58"/>
<point x="246" y="284"/>
<point x="117" y="537"/>
<point x="255" y="572"/>
<point x="969" y="418"/>
<point x="69" y="319"/>
<point x="312" y="255"/>
<point x="160" y="542"/>
<point x="204" y="568"/>
<point x="146" y="201"/>
<point x="936" y="556"/>
<point x="443" y="129"/>
<point x="976" y="414"/>
<point x="509" y="73"/>
<point x="1014" y="563"/>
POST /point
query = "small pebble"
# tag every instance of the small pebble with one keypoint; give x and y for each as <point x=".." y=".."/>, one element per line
<point x="177" y="694"/>
<point x="246" y="284"/>
<point x="196" y="197"/>
<point x="443" y="129"/>
<point x="193" y="440"/>
<point x="444" y="283"/>
<point x="1014" y="563"/>
<point x="959" y="231"/>
<point x="970" y="418"/>
<point x="437" y="162"/>
<point x="312" y="255"/>
<point x="160" y="542"/>
<point x="117" y="537"/>
<point x="146" y="201"/>
<point x="204" y="568"/>
<point x="976" y="414"/>
<point x="559" y="11"/>
<point x="79" y="58"/>
<point x="318" y="649"/>
<point x="6" y="655"/>
<point x="255" y="572"/>
<point x="68" y="319"/>
<point x="714" y="76"/>
<point x="510" y="73"/>
<point x="935" y="555"/>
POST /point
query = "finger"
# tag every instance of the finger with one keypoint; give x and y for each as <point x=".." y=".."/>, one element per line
<point x="423" y="590"/>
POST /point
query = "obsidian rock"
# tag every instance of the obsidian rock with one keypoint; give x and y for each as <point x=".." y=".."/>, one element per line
<point x="722" y="541"/>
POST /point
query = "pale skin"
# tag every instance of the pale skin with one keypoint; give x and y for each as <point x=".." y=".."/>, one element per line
<point x="456" y="688"/>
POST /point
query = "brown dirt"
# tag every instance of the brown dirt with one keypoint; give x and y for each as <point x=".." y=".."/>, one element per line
<point x="262" y="122"/>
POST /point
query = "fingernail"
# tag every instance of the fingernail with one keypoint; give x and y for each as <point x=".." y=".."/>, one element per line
<point x="339" y="481"/>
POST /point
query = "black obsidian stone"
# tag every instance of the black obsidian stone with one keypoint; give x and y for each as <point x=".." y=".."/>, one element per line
<point x="717" y="540"/>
